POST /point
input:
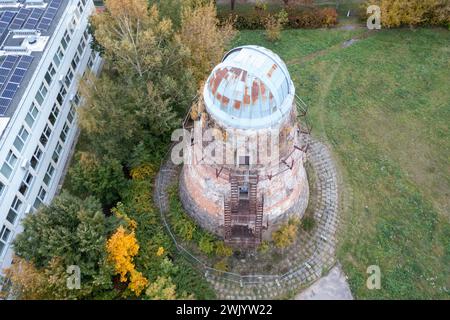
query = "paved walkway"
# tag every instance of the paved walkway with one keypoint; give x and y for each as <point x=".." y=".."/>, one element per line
<point x="307" y="260"/>
<point x="333" y="286"/>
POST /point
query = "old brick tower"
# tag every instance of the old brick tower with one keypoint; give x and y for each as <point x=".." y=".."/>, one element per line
<point x="239" y="193"/>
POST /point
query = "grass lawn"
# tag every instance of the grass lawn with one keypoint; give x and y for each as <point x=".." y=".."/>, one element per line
<point x="383" y="105"/>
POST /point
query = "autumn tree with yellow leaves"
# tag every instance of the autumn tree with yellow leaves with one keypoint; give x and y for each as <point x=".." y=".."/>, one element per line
<point x="122" y="247"/>
<point x="201" y="34"/>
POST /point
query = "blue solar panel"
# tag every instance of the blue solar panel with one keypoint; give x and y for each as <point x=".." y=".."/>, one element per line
<point x="19" y="19"/>
<point x="15" y="75"/>
<point x="33" y="19"/>
<point x="49" y="15"/>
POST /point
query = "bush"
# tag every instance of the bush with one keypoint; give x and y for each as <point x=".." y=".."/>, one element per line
<point x="274" y="24"/>
<point x="297" y="18"/>
<point x="287" y="234"/>
<point x="222" y="250"/>
<point x="222" y="265"/>
<point x="206" y="244"/>
<point x="313" y="18"/>
<point x="264" y="247"/>
<point x="308" y="223"/>
<point x="395" y="13"/>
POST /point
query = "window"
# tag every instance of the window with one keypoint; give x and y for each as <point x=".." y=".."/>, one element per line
<point x="2" y="188"/>
<point x="50" y="73"/>
<point x="57" y="153"/>
<point x="54" y="114"/>
<point x="86" y="34"/>
<point x="40" y="198"/>
<point x="36" y="158"/>
<point x="42" y="92"/>
<point x="61" y="95"/>
<point x="21" y="139"/>
<point x="49" y="174"/>
<point x="26" y="183"/>
<point x="4" y="236"/>
<point x="14" y="210"/>
<point x="76" y="99"/>
<point x="244" y="160"/>
<point x="31" y="115"/>
<point x="68" y="78"/>
<point x="65" y="40"/>
<point x="80" y="6"/>
<point x="64" y="132"/>
<point x="59" y="55"/>
<point x="75" y="61"/>
<point x="81" y="46"/>
<point x="9" y="164"/>
<point x="45" y="135"/>
<point x="71" y="114"/>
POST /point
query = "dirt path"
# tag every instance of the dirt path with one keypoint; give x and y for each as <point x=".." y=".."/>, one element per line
<point x="331" y="49"/>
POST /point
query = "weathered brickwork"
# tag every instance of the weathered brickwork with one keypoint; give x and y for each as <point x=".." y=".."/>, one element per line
<point x="308" y="259"/>
<point x="284" y="186"/>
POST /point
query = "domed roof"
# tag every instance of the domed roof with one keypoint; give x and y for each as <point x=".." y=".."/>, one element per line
<point x="250" y="88"/>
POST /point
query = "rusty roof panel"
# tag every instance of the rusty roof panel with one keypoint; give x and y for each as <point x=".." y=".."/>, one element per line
<point x="251" y="83"/>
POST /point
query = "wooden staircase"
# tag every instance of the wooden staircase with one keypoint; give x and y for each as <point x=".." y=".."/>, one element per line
<point x="243" y="218"/>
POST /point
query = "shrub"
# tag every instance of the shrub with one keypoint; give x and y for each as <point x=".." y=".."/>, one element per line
<point x="222" y="265"/>
<point x="274" y="24"/>
<point x="311" y="17"/>
<point x="223" y="250"/>
<point x="264" y="247"/>
<point x="286" y="235"/>
<point x="308" y="223"/>
<point x="143" y="172"/>
<point x="206" y="244"/>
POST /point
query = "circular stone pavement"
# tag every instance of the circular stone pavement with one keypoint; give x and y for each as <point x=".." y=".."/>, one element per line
<point x="304" y="262"/>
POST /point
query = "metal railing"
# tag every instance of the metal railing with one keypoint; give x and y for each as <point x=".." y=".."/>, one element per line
<point x="241" y="279"/>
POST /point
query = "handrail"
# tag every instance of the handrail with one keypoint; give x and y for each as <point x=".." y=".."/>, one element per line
<point x="242" y="279"/>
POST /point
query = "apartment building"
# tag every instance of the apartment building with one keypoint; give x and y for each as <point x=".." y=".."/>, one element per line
<point x="44" y="51"/>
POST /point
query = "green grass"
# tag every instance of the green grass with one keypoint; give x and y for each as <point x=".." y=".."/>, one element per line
<point x="383" y="105"/>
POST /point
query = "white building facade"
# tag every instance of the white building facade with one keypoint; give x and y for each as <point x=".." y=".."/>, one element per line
<point x="38" y="125"/>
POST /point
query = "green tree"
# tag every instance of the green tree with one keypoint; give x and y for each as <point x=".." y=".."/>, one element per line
<point x="145" y="87"/>
<point x="74" y="232"/>
<point x="102" y="179"/>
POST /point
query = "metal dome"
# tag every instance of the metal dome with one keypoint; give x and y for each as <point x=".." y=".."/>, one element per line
<point x="251" y="88"/>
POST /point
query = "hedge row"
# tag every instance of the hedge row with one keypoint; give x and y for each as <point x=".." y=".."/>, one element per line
<point x="304" y="18"/>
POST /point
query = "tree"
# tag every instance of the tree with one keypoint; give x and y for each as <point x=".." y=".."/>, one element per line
<point x="143" y="91"/>
<point x="201" y="34"/>
<point x="122" y="247"/>
<point x="27" y="282"/>
<point x="102" y="179"/>
<point x="70" y="231"/>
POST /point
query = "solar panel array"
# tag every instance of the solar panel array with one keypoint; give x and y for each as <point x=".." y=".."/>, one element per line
<point x="12" y="72"/>
<point x="13" y="67"/>
<point x="49" y="15"/>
